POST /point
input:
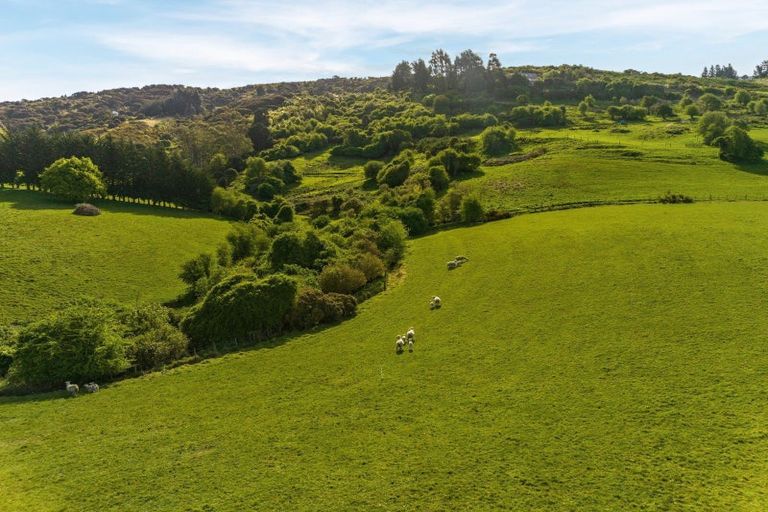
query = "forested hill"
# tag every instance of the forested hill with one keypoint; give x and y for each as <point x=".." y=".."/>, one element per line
<point x="110" y="108"/>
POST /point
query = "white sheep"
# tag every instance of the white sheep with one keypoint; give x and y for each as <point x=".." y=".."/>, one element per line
<point x="411" y="334"/>
<point x="410" y="345"/>
<point x="91" y="387"/>
<point x="72" y="389"/>
<point x="435" y="303"/>
<point x="399" y="344"/>
<point x="462" y="259"/>
<point x="452" y="265"/>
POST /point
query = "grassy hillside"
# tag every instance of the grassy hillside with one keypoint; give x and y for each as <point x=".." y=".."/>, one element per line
<point x="644" y="162"/>
<point x="599" y="359"/>
<point x="130" y="252"/>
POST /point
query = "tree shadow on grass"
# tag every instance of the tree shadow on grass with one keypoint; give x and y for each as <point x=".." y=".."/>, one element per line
<point x="34" y="200"/>
<point x="759" y="168"/>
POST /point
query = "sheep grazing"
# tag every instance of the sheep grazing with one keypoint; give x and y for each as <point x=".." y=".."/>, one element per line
<point x="91" y="387"/>
<point x="411" y="334"/>
<point x="462" y="259"/>
<point x="399" y="344"/>
<point x="435" y="303"/>
<point x="452" y="265"/>
<point x="72" y="389"/>
<point x="410" y="345"/>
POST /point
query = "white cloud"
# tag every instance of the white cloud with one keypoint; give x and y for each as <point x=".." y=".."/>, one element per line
<point x="194" y="51"/>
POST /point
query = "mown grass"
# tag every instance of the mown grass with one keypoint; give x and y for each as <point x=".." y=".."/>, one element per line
<point x="131" y="252"/>
<point x="612" y="358"/>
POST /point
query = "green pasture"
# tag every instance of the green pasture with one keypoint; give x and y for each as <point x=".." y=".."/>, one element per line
<point x="49" y="256"/>
<point x="612" y="358"/>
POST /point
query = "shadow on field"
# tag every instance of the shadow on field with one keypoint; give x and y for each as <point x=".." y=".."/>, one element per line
<point x="761" y="168"/>
<point x="33" y="200"/>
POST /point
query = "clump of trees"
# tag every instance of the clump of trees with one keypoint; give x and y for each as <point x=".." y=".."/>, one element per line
<point x="91" y="340"/>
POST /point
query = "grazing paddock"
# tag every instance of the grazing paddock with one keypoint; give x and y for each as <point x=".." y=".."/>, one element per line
<point x="611" y="358"/>
<point x="129" y="252"/>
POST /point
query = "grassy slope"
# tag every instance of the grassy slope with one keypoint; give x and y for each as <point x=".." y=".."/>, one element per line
<point x="583" y="165"/>
<point x="599" y="359"/>
<point x="48" y="255"/>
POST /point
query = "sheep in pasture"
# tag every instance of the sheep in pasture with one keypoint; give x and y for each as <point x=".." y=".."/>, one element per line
<point x="410" y="345"/>
<point x="435" y="303"/>
<point x="72" y="389"/>
<point x="91" y="387"/>
<point x="411" y="334"/>
<point x="399" y="344"/>
<point x="452" y="265"/>
<point x="462" y="259"/>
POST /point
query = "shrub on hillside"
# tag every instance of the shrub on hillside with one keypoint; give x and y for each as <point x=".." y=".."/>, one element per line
<point x="370" y="265"/>
<point x="497" y="140"/>
<point x="414" y="220"/>
<point x="314" y="307"/>
<point x="472" y="210"/>
<point x="246" y="240"/>
<point x="341" y="278"/>
<point x="395" y="173"/>
<point x="151" y="339"/>
<point x="456" y="163"/>
<point x="372" y="169"/>
<point x="391" y="241"/>
<point x="737" y="146"/>
<point x="438" y="178"/>
<point x="83" y="342"/>
<point x="241" y="307"/>
<point x="712" y="125"/>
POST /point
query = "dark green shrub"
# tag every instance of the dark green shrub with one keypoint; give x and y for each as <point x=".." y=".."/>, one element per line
<point x="712" y="125"/>
<point x="287" y="248"/>
<point x="391" y="241"/>
<point x="438" y="178"/>
<point x="472" y="210"/>
<point x="246" y="240"/>
<point x="341" y="278"/>
<point x="370" y="265"/>
<point x="497" y="140"/>
<point x="710" y="102"/>
<point x="314" y="307"/>
<point x="737" y="146"/>
<point x="242" y="307"/>
<point x="456" y="163"/>
<point x="395" y="173"/>
<point x="80" y="343"/>
<point x="372" y="169"/>
<point x="285" y="214"/>
<point x="151" y="339"/>
<point x="414" y="220"/>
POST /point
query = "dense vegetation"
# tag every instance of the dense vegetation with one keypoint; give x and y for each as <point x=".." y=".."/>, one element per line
<point x="402" y="160"/>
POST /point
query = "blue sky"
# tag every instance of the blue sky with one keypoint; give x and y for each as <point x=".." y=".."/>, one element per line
<point x="56" y="47"/>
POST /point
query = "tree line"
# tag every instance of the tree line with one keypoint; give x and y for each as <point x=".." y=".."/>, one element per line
<point x="131" y="171"/>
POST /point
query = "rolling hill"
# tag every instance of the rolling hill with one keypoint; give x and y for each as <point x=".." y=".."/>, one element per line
<point x="610" y="358"/>
<point x="131" y="252"/>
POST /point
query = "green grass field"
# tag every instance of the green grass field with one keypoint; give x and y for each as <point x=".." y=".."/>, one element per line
<point x="645" y="163"/>
<point x="131" y="252"/>
<point x="612" y="358"/>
